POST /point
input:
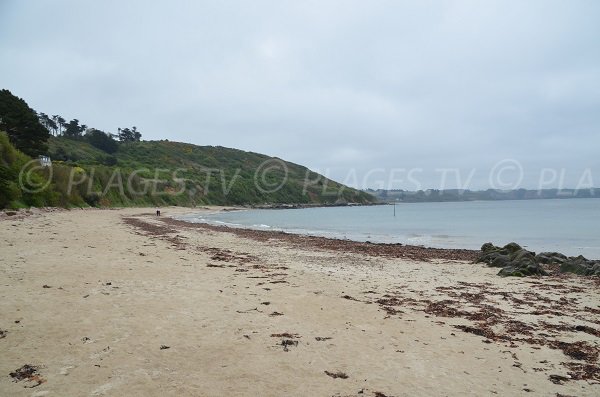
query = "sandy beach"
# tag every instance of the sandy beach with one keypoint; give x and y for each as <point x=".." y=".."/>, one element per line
<point x="123" y="303"/>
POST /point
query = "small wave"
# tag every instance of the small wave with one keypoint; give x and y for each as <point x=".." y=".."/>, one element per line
<point x="419" y="240"/>
<point x="227" y="223"/>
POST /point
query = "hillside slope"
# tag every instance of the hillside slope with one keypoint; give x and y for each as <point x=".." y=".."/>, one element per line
<point x="163" y="172"/>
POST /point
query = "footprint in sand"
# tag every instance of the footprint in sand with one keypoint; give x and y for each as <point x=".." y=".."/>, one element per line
<point x="66" y="370"/>
<point x="102" y="389"/>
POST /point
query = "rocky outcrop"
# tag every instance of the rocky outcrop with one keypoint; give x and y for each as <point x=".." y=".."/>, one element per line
<point x="513" y="260"/>
<point x="551" y="258"/>
<point x="580" y="265"/>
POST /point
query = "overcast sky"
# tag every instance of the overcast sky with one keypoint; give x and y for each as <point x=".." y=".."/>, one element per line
<point x="342" y="87"/>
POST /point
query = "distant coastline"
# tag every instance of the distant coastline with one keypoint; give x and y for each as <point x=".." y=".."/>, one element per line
<point x="457" y="195"/>
<point x="284" y="206"/>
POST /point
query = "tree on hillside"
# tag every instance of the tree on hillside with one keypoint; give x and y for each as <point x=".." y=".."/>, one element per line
<point x="43" y="118"/>
<point x="136" y="134"/>
<point x="22" y="125"/>
<point x="63" y="125"/>
<point x="129" y="135"/>
<point x="60" y="123"/>
<point x="101" y="140"/>
<point x="51" y="125"/>
<point x="74" y="130"/>
<point x="48" y="122"/>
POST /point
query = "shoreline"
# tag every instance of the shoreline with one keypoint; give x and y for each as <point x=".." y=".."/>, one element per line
<point x="390" y="250"/>
<point x="376" y="249"/>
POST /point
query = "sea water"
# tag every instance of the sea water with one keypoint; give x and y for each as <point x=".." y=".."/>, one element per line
<point x="570" y="226"/>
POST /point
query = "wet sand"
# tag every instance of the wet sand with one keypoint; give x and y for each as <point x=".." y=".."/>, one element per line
<point x="120" y="302"/>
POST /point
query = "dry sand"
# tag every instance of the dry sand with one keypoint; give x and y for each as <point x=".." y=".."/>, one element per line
<point x="89" y="297"/>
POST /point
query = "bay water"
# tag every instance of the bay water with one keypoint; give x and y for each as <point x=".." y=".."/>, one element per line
<point x="570" y="226"/>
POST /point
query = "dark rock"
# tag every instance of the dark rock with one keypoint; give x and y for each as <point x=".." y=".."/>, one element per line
<point x="514" y="260"/>
<point x="487" y="247"/>
<point x="580" y="265"/>
<point x="500" y="261"/>
<point x="519" y="262"/>
<point x="512" y="247"/>
<point x="522" y="255"/>
<point x="551" y="258"/>
<point x="574" y="267"/>
<point x="493" y="256"/>
<point x="517" y="269"/>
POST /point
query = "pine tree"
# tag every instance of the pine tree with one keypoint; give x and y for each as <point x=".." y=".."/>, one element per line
<point x="129" y="135"/>
<point x="22" y="125"/>
<point x="73" y="129"/>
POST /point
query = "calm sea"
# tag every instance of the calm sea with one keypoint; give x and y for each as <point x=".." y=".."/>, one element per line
<point x="571" y="226"/>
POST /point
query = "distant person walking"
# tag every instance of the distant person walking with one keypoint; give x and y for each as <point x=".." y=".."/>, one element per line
<point x="157" y="212"/>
